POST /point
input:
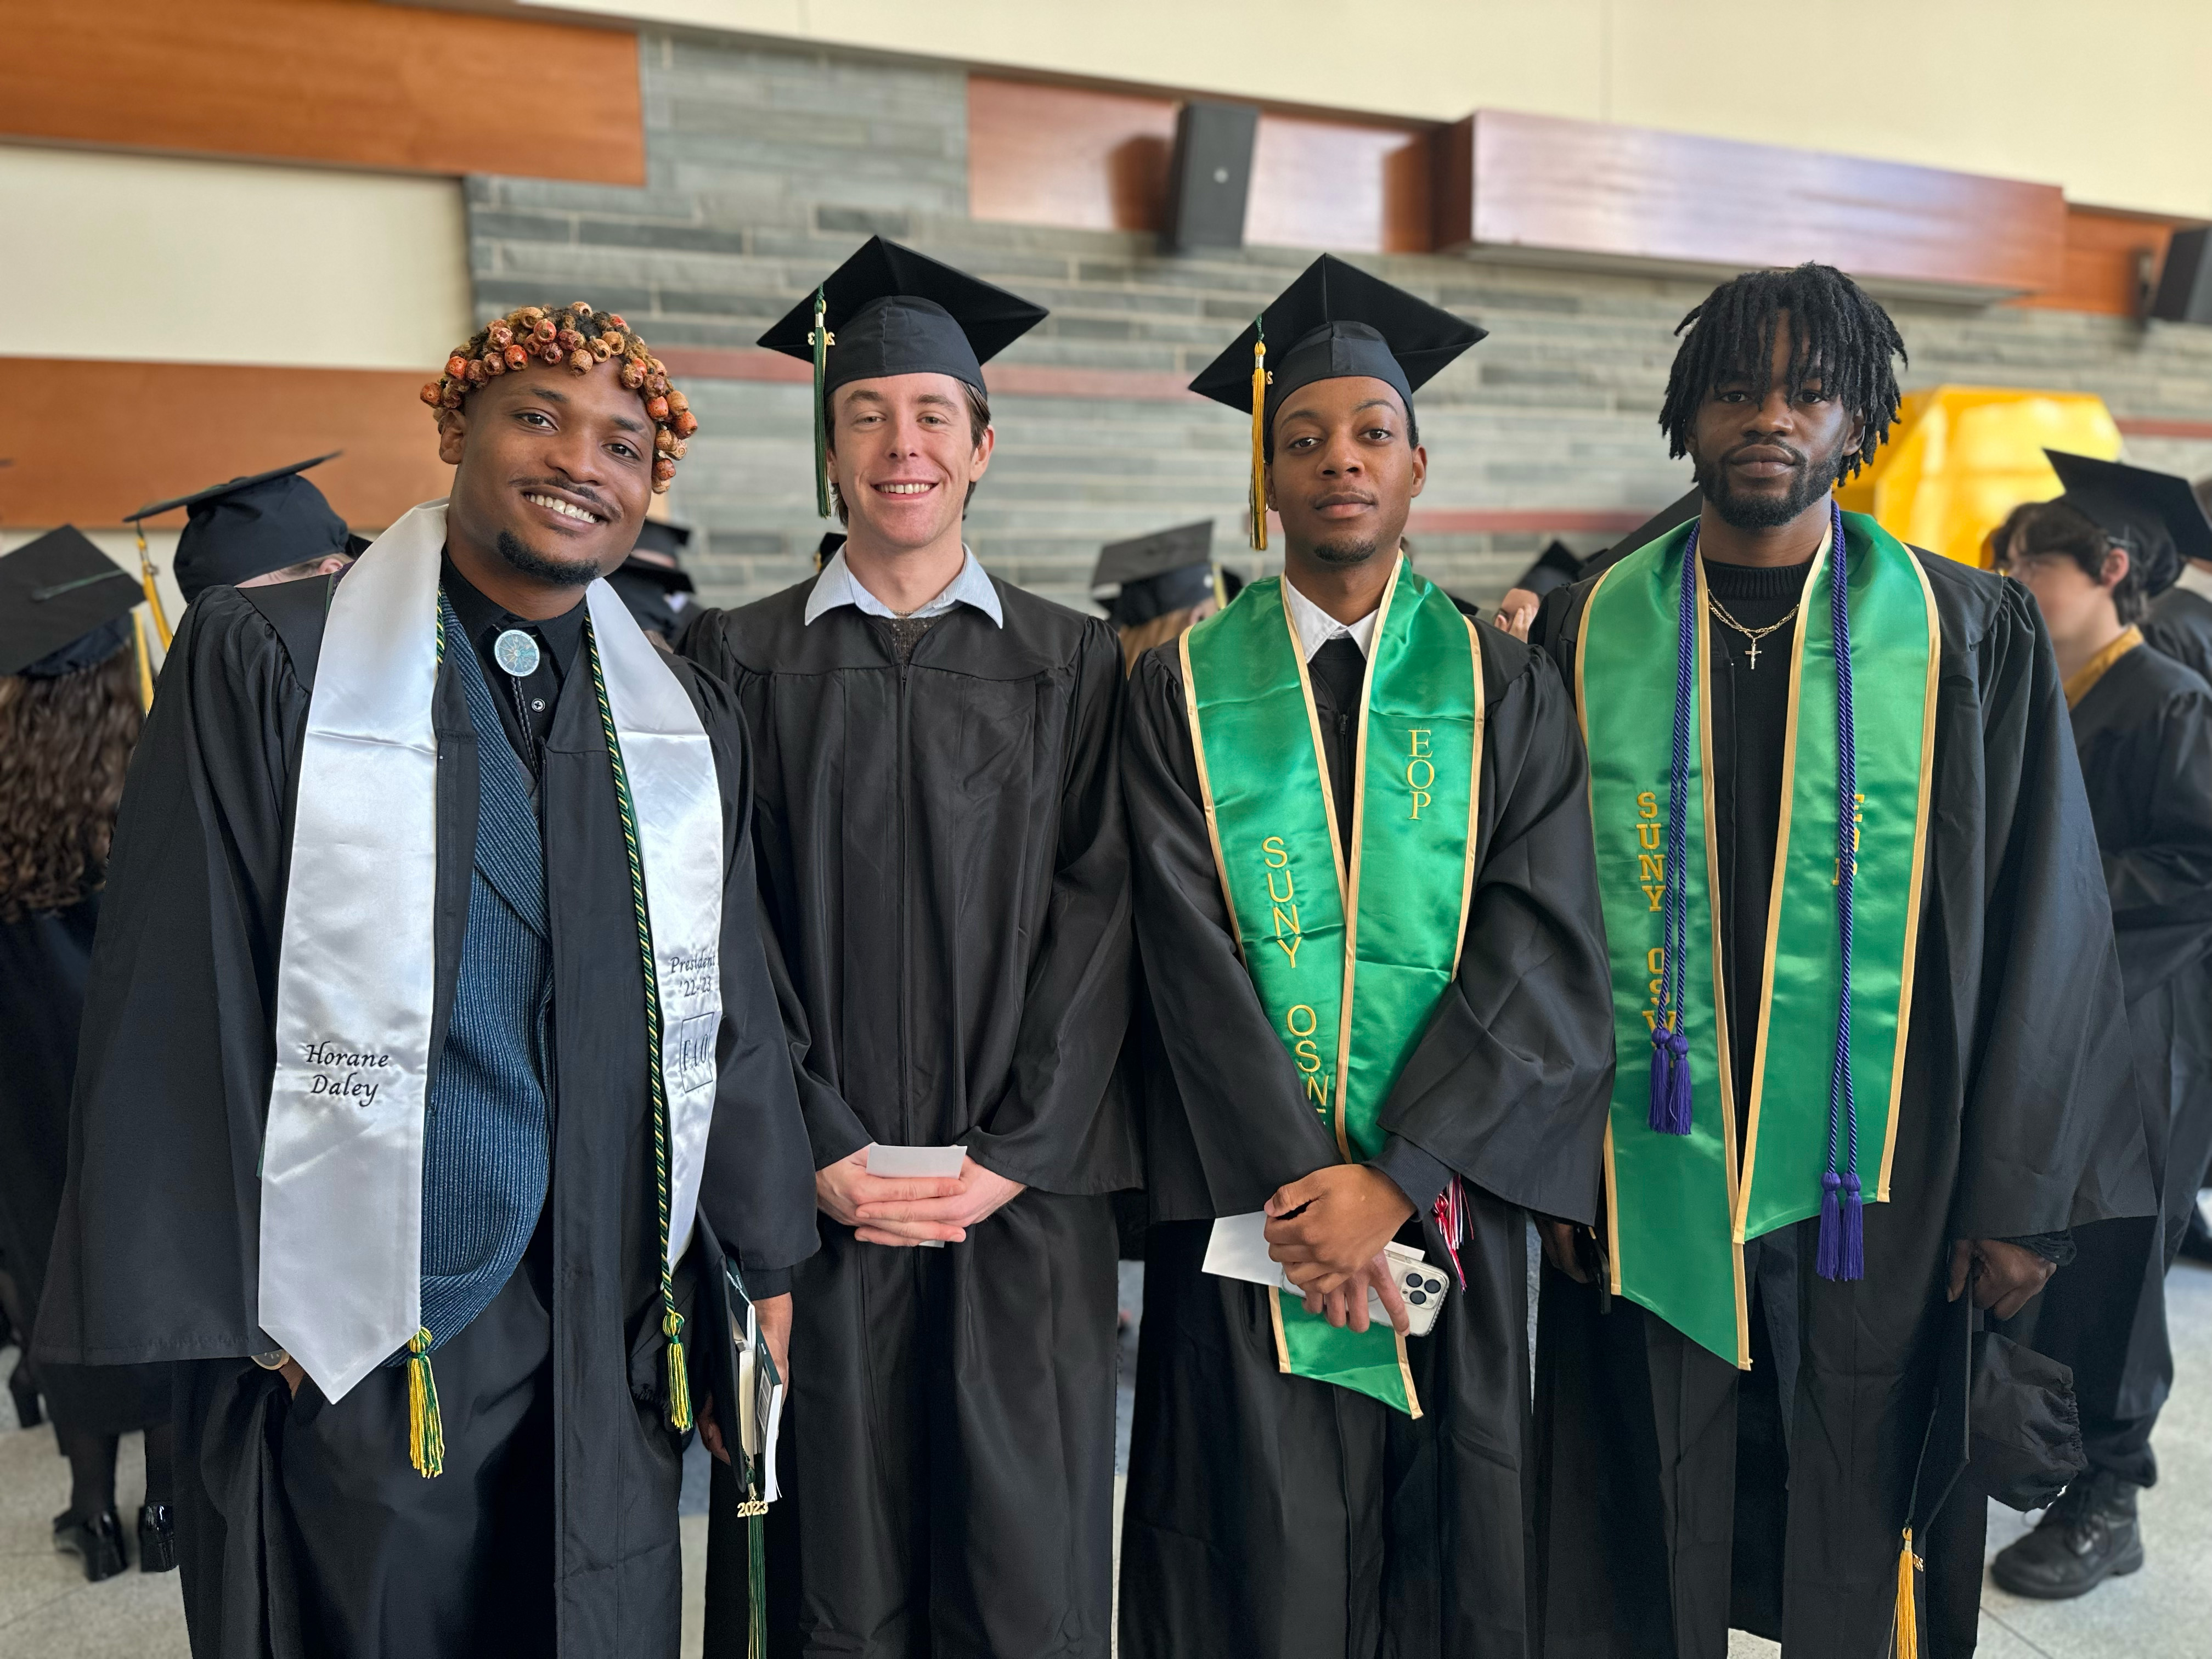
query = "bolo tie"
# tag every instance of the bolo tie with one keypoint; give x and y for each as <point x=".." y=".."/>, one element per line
<point x="517" y="653"/>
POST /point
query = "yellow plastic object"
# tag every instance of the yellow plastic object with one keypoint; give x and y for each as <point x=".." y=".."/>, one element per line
<point x="1960" y="458"/>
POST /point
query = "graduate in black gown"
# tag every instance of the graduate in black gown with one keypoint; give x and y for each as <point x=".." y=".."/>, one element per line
<point x="2096" y="559"/>
<point x="943" y="859"/>
<point x="69" y="713"/>
<point x="1277" y="1514"/>
<point x="1685" y="1490"/>
<point x="2179" y="620"/>
<point x="494" y="1465"/>
<point x="257" y="531"/>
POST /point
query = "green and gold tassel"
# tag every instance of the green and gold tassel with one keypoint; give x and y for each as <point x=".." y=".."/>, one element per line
<point x="756" y="1586"/>
<point x="820" y="339"/>
<point x="1260" y="435"/>
<point x="679" y="1381"/>
<point x="426" y="1434"/>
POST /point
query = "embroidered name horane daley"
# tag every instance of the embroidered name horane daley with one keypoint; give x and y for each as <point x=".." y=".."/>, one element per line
<point x="344" y="1062"/>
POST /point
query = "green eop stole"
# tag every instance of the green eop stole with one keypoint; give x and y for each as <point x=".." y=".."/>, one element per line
<point x="1681" y="1207"/>
<point x="1312" y="928"/>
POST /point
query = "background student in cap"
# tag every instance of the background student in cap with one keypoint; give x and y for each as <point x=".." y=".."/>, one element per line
<point x="653" y="583"/>
<point x="69" y="716"/>
<point x="943" y="857"/>
<point x="2097" y="559"/>
<point x="274" y="527"/>
<point x="1165" y="582"/>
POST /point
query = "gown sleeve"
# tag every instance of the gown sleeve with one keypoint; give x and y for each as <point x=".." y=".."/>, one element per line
<point x="2160" y="885"/>
<point x="1508" y="1085"/>
<point x="155" y="1254"/>
<point x="757" y="1189"/>
<point x="2050" y="1137"/>
<point x="1060" y="1115"/>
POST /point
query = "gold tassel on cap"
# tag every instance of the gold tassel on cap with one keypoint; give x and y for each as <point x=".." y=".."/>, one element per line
<point x="152" y="593"/>
<point x="1259" y="435"/>
<point x="426" y="1434"/>
<point x="145" y="665"/>
<point x="1908" y="1619"/>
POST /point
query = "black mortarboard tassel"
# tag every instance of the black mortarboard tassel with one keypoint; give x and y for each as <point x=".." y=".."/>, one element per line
<point x="1338" y="321"/>
<point x="2154" y="515"/>
<point x="250" y="526"/>
<point x="889" y="310"/>
<point x="64" y="606"/>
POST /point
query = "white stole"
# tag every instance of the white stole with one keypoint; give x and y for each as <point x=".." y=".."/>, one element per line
<point x="341" y="1157"/>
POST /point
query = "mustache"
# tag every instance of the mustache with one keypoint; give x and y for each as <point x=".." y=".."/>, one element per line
<point x="584" y="491"/>
<point x="1797" y="456"/>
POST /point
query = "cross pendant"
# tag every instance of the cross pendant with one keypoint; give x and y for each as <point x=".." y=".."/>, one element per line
<point x="1754" y="656"/>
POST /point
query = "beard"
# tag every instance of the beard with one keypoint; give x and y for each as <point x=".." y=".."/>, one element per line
<point x="1811" y="479"/>
<point x="1344" y="552"/>
<point x="562" y="573"/>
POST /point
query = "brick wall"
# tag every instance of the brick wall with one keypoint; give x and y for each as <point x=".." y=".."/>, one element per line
<point x="766" y="168"/>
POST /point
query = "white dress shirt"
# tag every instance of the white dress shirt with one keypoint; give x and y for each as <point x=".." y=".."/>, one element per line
<point x="837" y="585"/>
<point x="1316" y="628"/>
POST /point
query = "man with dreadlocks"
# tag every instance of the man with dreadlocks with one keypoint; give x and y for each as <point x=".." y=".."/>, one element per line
<point x="1868" y="1019"/>
<point x="428" y="1013"/>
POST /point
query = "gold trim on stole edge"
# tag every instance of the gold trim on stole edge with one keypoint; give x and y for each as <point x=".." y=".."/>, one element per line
<point x="1582" y="719"/>
<point x="1282" y="1342"/>
<point x="1914" y="893"/>
<point x="1206" y="792"/>
<point x="1473" y="793"/>
<point x="1728" y="1153"/>
<point x="1740" y="1211"/>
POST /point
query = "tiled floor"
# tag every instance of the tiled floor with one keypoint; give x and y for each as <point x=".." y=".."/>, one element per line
<point x="48" y="1612"/>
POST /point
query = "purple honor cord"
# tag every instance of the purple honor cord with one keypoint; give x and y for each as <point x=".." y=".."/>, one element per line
<point x="1670" y="1048"/>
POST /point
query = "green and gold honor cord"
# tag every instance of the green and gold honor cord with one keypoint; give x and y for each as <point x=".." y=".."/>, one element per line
<point x="671" y="1322"/>
<point x="820" y="339"/>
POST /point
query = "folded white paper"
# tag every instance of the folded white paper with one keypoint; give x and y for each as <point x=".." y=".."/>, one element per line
<point x="1237" y="1248"/>
<point x="906" y="1163"/>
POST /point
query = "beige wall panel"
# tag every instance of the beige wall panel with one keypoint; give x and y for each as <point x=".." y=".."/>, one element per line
<point x="2106" y="101"/>
<point x="159" y="258"/>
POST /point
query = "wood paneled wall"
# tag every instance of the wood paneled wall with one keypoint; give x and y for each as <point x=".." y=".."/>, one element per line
<point x="343" y="82"/>
<point x="190" y="425"/>
<point x="1098" y="161"/>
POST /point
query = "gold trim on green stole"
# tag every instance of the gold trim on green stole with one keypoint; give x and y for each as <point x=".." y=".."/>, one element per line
<point x="1401" y="902"/>
<point x="1681" y="1208"/>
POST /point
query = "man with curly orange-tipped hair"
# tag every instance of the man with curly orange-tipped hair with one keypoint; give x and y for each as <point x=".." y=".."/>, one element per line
<point x="432" y="1068"/>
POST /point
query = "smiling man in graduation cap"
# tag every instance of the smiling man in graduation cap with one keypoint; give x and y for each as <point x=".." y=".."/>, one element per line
<point x="274" y="527"/>
<point x="943" y="859"/>
<point x="2096" y="559"/>
<point x="429" y="1025"/>
<point x="1369" y="929"/>
<point x="1871" y="1049"/>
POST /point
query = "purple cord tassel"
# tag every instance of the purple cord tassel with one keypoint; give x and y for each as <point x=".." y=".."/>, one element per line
<point x="1670" y="1082"/>
<point x="1843" y="1227"/>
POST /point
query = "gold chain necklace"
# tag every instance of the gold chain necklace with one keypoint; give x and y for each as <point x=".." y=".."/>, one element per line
<point x="1754" y="635"/>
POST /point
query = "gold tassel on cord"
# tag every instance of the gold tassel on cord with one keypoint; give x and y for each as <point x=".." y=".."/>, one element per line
<point x="1908" y="1619"/>
<point x="1259" y="439"/>
<point x="145" y="665"/>
<point x="152" y="593"/>
<point x="426" y="1434"/>
<point x="679" y="1384"/>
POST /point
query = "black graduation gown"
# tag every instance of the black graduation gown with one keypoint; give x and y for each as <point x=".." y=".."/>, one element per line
<point x="942" y="856"/>
<point x="1275" y="1515"/>
<point x="1662" y="1517"/>
<point x="43" y="959"/>
<point x="2180" y="625"/>
<point x="154" y="1257"/>
<point x="2144" y="734"/>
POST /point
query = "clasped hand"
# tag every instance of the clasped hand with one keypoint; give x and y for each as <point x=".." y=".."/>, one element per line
<point x="909" y="1210"/>
<point x="1328" y="1231"/>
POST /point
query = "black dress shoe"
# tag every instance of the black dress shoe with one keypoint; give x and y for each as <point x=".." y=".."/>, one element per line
<point x="2087" y="1536"/>
<point x="25" y="1392"/>
<point x="98" y="1541"/>
<point x="157" y="1538"/>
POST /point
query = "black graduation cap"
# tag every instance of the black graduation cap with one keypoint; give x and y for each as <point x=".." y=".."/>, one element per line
<point x="64" y="606"/>
<point x="652" y="585"/>
<point x="889" y="310"/>
<point x="250" y="526"/>
<point x="2154" y="515"/>
<point x="831" y="544"/>
<point x="1677" y="513"/>
<point x="1168" y="570"/>
<point x="1334" y="321"/>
